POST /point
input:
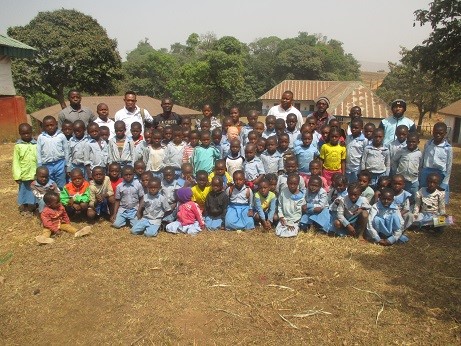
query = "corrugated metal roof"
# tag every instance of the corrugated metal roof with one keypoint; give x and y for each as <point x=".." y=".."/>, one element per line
<point x="342" y="95"/>
<point x="14" y="48"/>
<point x="115" y="103"/>
<point x="452" y="109"/>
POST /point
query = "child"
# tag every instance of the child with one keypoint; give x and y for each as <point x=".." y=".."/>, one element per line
<point x="272" y="160"/>
<point x="438" y="158"/>
<point x="152" y="209"/>
<point x="207" y="112"/>
<point x="114" y="175"/>
<point x="306" y="152"/>
<point x="253" y="167"/>
<point x="201" y="190"/>
<point x="41" y="185"/>
<point x="174" y="151"/>
<point x="102" y="198"/>
<point x="154" y="154"/>
<point x="52" y="150"/>
<point x="204" y="155"/>
<point x="220" y="171"/>
<point x="96" y="150"/>
<point x="315" y="169"/>
<point x="234" y="161"/>
<point x="265" y="205"/>
<point x="138" y="139"/>
<point x="352" y="213"/>
<point x="190" y="220"/>
<point x="169" y="187"/>
<point x="260" y="146"/>
<point x="187" y="175"/>
<point x="239" y="214"/>
<point x="104" y="133"/>
<point x="336" y="194"/>
<point x="430" y="202"/>
<point x="333" y="156"/>
<point x="186" y="123"/>
<point x="194" y="138"/>
<point x="368" y="130"/>
<point x="54" y="219"/>
<point x="24" y="165"/>
<point x="121" y="147"/>
<point x="311" y="127"/>
<point x="272" y="178"/>
<point x="216" y="137"/>
<point x="167" y="135"/>
<point x="283" y="147"/>
<point x="291" y="166"/>
<point x="316" y="213"/>
<point x="103" y="119"/>
<point x="291" y="130"/>
<point x="407" y="162"/>
<point x="355" y="144"/>
<point x="334" y="124"/>
<point x="280" y="126"/>
<point x="291" y="205"/>
<point x="144" y="180"/>
<point x="385" y="224"/>
<point x="216" y="205"/>
<point x="364" y="178"/>
<point x="77" y="148"/>
<point x="383" y="182"/>
<point x="402" y="200"/>
<point x="270" y="127"/>
<point x="376" y="157"/>
<point x="139" y="168"/>
<point x="400" y="142"/>
<point x="235" y="116"/>
<point x="252" y="118"/>
<point x="127" y="197"/>
<point x="75" y="195"/>
<point x="67" y="128"/>
<point x="324" y="132"/>
<point x="259" y="128"/>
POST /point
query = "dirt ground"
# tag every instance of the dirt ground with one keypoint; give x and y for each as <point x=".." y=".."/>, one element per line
<point x="225" y="288"/>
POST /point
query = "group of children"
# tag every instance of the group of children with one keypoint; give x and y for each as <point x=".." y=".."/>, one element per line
<point x="233" y="176"/>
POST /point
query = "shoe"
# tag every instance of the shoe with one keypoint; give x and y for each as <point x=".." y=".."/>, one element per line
<point x="82" y="232"/>
<point x="44" y="240"/>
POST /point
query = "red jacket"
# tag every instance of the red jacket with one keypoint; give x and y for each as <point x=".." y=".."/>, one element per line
<point x="52" y="219"/>
<point x="188" y="213"/>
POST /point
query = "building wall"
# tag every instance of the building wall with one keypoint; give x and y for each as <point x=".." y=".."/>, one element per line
<point x="12" y="113"/>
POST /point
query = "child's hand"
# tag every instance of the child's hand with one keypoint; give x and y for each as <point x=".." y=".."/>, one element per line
<point x="112" y="219"/>
<point x="99" y="198"/>
<point x="282" y="221"/>
<point x="250" y="213"/>
<point x="71" y="202"/>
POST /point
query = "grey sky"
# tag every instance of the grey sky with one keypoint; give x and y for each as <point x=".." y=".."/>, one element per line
<point x="371" y="30"/>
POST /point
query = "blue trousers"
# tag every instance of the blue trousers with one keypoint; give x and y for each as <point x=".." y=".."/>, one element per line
<point x="144" y="226"/>
<point x="122" y="217"/>
<point x="25" y="195"/>
<point x="57" y="171"/>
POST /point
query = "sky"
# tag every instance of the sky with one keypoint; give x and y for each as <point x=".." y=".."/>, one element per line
<point x="371" y="30"/>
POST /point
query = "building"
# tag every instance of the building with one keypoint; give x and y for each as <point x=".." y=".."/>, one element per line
<point x="452" y="115"/>
<point x="342" y="95"/>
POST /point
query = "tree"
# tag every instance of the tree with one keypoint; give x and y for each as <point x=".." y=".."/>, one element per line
<point x="441" y="52"/>
<point x="73" y="51"/>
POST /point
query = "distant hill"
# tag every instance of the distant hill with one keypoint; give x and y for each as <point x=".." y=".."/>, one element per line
<point x="372" y="79"/>
<point x="373" y="66"/>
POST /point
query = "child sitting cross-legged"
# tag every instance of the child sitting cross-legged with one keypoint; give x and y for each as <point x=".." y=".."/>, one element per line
<point x="102" y="198"/>
<point x="190" y="220"/>
<point x="55" y="220"/>
<point x="317" y="213"/>
<point x="76" y="194"/>
<point x="216" y="205"/>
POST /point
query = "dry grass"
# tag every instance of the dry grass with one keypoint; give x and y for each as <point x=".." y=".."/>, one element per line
<point x="224" y="288"/>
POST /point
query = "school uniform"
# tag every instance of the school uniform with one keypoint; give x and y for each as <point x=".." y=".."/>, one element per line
<point x="346" y="213"/>
<point x="266" y="133"/>
<point x="385" y="223"/>
<point x="122" y="154"/>
<point x="76" y="155"/>
<point x="51" y="153"/>
<point x="39" y="191"/>
<point x="290" y="208"/>
<point x="293" y="135"/>
<point x="368" y="193"/>
<point x="169" y="191"/>
<point x="234" y="163"/>
<point x="395" y="146"/>
<point x="282" y="183"/>
<point x="305" y="155"/>
<point x="155" y="207"/>
<point x="96" y="153"/>
<point x="354" y="152"/>
<point x="273" y="163"/>
<point x="253" y="169"/>
<point x="244" y="135"/>
<point x="240" y="203"/>
<point x="109" y="123"/>
<point x="408" y="164"/>
<point x="320" y="219"/>
<point x="154" y="158"/>
<point x="377" y="161"/>
<point x="129" y="195"/>
<point x="173" y="156"/>
<point x="402" y="201"/>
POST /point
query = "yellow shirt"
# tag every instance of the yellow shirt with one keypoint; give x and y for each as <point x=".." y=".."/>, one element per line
<point x="227" y="178"/>
<point x="332" y="156"/>
<point x="199" y="196"/>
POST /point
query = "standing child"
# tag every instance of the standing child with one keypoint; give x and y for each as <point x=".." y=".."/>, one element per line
<point x="54" y="219"/>
<point x="272" y="160"/>
<point x="216" y="205"/>
<point x="77" y="148"/>
<point x="186" y="123"/>
<point x="368" y="130"/>
<point x="283" y="147"/>
<point x="253" y="167"/>
<point x="216" y="137"/>
<point x="252" y="118"/>
<point x="96" y="152"/>
<point x="280" y="126"/>
<point x="127" y="197"/>
<point x="174" y="151"/>
<point x="121" y="147"/>
<point x="41" y="185"/>
<point x="67" y="128"/>
<point x="234" y="161"/>
<point x="333" y="156"/>
<point x="154" y="154"/>
<point x="24" y="165"/>
<point x="385" y="224"/>
<point x="400" y="142"/>
<point x="265" y="205"/>
<point x="75" y="196"/>
<point x="204" y="155"/>
<point x="194" y="138"/>
<point x="376" y="157"/>
<point x="207" y="112"/>
<point x="235" y="116"/>
<point x="102" y="198"/>
<point x="260" y="146"/>
<point x="201" y="190"/>
<point x="239" y="214"/>
<point x="325" y="133"/>
<point x="103" y="119"/>
<point x="402" y="200"/>
<point x="152" y="209"/>
<point x="306" y="152"/>
<point x="355" y="144"/>
<point x="52" y="150"/>
<point x="104" y="133"/>
<point x="190" y="220"/>
<point x="167" y="134"/>
<point x="291" y="205"/>
<point x="138" y="139"/>
<point x="270" y="127"/>
<point x="291" y="130"/>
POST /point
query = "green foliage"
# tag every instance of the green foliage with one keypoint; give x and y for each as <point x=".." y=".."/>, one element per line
<point x="38" y="101"/>
<point x="73" y="51"/>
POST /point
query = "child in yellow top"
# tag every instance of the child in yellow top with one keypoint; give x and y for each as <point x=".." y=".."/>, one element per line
<point x="201" y="189"/>
<point x="221" y="170"/>
<point x="333" y="156"/>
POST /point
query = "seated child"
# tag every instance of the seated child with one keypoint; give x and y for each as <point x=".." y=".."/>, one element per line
<point x="102" y="198"/>
<point x="291" y="166"/>
<point x="291" y="205"/>
<point x="265" y="205"/>
<point x="272" y="178"/>
<point x="402" y="200"/>
<point x="220" y="170"/>
<point x="239" y="214"/>
<point x="169" y="187"/>
<point x="385" y="224"/>
<point x="54" y="219"/>
<point x="317" y="213"/>
<point x="114" y="175"/>
<point x="75" y="195"/>
<point x="337" y="192"/>
<point x="216" y="205"/>
<point x="383" y="182"/>
<point x="201" y="190"/>
<point x="190" y="220"/>
<point x="127" y="197"/>
<point x="352" y="213"/>
<point x="315" y="168"/>
<point x="41" y="185"/>
<point x="152" y="209"/>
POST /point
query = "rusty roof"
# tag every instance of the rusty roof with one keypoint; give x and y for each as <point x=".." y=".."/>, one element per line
<point x="342" y="95"/>
<point x="115" y="103"/>
<point x="452" y="109"/>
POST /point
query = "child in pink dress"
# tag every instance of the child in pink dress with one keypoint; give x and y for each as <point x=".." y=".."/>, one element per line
<point x="190" y="220"/>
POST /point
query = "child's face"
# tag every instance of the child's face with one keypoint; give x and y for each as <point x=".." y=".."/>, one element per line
<point x="168" y="175"/>
<point x="226" y="124"/>
<point x="259" y="128"/>
<point x="207" y="111"/>
<point x="77" y="179"/>
<point x="139" y="168"/>
<point x="220" y="169"/>
<point x="334" y="123"/>
<point x="378" y="137"/>
<point x="311" y="124"/>
<point x="283" y="143"/>
<point x="325" y="133"/>
<point x="205" y="125"/>
<point x="120" y="131"/>
<point x="264" y="188"/>
<point x="315" y="169"/>
<point x="42" y="177"/>
<point x="205" y="140"/>
<point x="432" y="183"/>
<point x="368" y="132"/>
<point x="187" y="172"/>
<point x="239" y="180"/>
<point x="356" y="130"/>
<point x="154" y="187"/>
<point x="202" y="181"/>
<point x="412" y="143"/>
<point x="334" y="138"/>
<point x="252" y="138"/>
<point x="397" y="185"/>
<point x="128" y="175"/>
<point x="114" y="172"/>
<point x="93" y="131"/>
<point x="273" y="185"/>
<point x="156" y="140"/>
<point x="193" y="139"/>
<point x="25" y="133"/>
<point x="354" y="195"/>
<point x="401" y="135"/>
<point x="54" y="203"/>
<point x="50" y="126"/>
<point x="103" y="112"/>
<point x="270" y="124"/>
<point x="145" y="178"/>
<point x="250" y="153"/>
<point x="67" y="129"/>
<point x="186" y="122"/>
<point x="279" y="128"/>
<point x="314" y="186"/>
<point x="307" y="139"/>
<point x="293" y="185"/>
<point x="217" y="138"/>
<point x="147" y="136"/>
<point x="235" y="148"/>
<point x="340" y="187"/>
<point x="216" y="186"/>
<point x="235" y="115"/>
<point x="104" y="134"/>
<point x="271" y="145"/>
<point x="260" y="145"/>
<point x="98" y="176"/>
<point x="79" y="131"/>
<point x="135" y="132"/>
<point x="167" y="134"/>
<point x="177" y="137"/>
<point x="232" y="133"/>
<point x="386" y="199"/>
<point x="291" y="123"/>
<point x="438" y="134"/>
<point x="363" y="181"/>
<point x="252" y="119"/>
<point x="291" y="167"/>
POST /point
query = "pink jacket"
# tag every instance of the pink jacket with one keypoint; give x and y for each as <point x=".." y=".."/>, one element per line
<point x="188" y="213"/>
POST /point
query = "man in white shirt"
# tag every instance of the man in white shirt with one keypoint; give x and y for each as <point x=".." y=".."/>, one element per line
<point x="285" y="107"/>
<point x="131" y="113"/>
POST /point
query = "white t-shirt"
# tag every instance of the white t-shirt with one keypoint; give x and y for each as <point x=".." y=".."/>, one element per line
<point x="130" y="117"/>
<point x="109" y="123"/>
<point x="281" y="113"/>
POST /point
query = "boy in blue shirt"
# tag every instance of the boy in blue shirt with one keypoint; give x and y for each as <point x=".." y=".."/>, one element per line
<point x="77" y="148"/>
<point x="355" y="144"/>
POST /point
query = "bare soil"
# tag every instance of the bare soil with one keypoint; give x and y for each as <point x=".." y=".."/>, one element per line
<point x="225" y="288"/>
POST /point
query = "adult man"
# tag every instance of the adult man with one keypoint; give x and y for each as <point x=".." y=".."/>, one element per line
<point x="285" y="107"/>
<point x="168" y="117"/>
<point x="397" y="118"/>
<point x="131" y="113"/>
<point x="321" y="114"/>
<point x="75" y="111"/>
